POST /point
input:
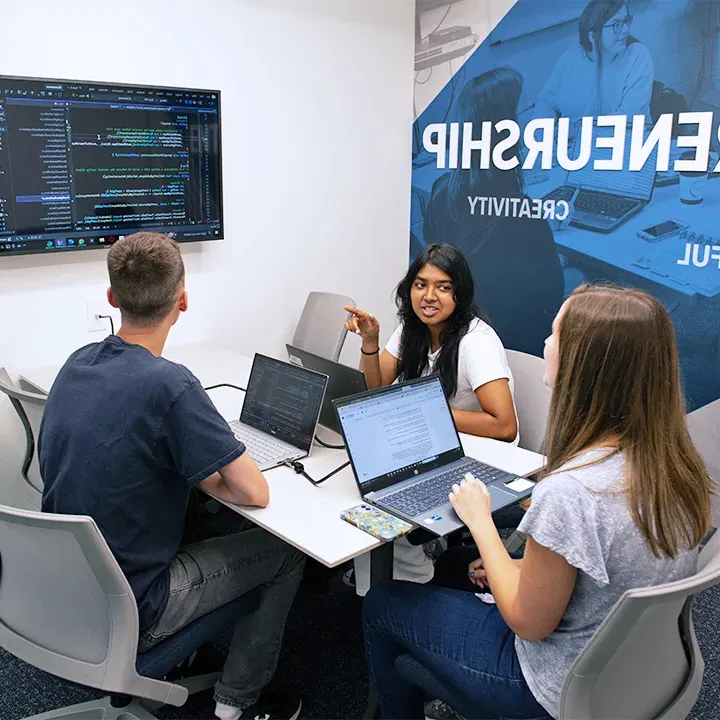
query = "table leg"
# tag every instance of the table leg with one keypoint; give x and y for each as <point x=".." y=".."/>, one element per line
<point x="381" y="568"/>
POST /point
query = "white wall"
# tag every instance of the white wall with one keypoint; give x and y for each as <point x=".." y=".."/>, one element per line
<point x="316" y="112"/>
<point x="317" y="103"/>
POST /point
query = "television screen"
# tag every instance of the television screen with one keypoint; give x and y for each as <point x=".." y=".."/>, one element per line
<point x="83" y="164"/>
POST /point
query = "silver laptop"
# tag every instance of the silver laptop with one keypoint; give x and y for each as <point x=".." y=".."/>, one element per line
<point x="280" y="413"/>
<point x="342" y="381"/>
<point x="607" y="198"/>
<point x="406" y="454"/>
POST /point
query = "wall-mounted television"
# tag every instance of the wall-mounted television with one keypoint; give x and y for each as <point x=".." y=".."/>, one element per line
<point x="83" y="164"/>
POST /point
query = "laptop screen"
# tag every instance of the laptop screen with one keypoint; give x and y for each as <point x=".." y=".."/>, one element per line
<point x="393" y="433"/>
<point x="627" y="183"/>
<point x="283" y="400"/>
<point x="342" y="381"/>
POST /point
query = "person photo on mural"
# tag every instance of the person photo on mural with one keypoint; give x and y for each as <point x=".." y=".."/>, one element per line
<point x="609" y="72"/>
<point x="515" y="265"/>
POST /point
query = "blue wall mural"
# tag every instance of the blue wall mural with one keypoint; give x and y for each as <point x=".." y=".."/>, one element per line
<point x="576" y="142"/>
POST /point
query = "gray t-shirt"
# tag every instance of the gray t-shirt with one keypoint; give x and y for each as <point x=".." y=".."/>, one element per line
<point x="582" y="515"/>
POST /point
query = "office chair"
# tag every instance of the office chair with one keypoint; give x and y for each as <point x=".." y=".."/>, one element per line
<point x="29" y="402"/>
<point x="704" y="427"/>
<point x="321" y="328"/>
<point x="642" y="662"/>
<point x="532" y="403"/>
<point x="532" y="398"/>
<point x="67" y="608"/>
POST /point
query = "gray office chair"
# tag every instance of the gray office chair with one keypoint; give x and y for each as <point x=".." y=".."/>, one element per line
<point x="321" y="328"/>
<point x="29" y="405"/>
<point x="532" y="402"/>
<point x="67" y="608"/>
<point x="643" y="662"/>
<point x="532" y="398"/>
<point x="704" y="427"/>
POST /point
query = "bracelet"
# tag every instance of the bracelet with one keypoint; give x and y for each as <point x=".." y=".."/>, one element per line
<point x="374" y="352"/>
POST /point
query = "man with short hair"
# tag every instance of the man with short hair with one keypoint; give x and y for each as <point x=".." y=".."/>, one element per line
<point x="125" y="436"/>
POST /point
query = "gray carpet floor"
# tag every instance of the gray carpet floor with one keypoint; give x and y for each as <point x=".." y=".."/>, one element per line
<point x="322" y="659"/>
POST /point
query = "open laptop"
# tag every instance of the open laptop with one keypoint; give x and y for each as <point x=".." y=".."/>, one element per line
<point x="280" y="412"/>
<point x="342" y="381"/>
<point x="406" y="454"/>
<point x="607" y="198"/>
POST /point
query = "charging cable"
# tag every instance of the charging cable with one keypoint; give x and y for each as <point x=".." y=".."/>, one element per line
<point x="235" y="387"/>
<point x="327" y="445"/>
<point x="297" y="466"/>
<point x="107" y="317"/>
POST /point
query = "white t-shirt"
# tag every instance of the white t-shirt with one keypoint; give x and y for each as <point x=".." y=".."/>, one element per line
<point x="481" y="359"/>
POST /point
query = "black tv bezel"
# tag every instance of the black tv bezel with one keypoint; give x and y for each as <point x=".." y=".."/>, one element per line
<point x="182" y="241"/>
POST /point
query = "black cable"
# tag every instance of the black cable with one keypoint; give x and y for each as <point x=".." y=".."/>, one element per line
<point x="235" y="387"/>
<point x="300" y="470"/>
<point x="327" y="445"/>
<point x="112" y="324"/>
<point x="455" y="83"/>
<point x="423" y="82"/>
<point x="447" y="12"/>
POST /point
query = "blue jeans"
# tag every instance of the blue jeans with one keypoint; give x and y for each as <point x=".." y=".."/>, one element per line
<point x="209" y="574"/>
<point x="460" y="640"/>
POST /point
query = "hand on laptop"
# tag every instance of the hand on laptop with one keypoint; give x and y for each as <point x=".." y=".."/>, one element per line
<point x="471" y="501"/>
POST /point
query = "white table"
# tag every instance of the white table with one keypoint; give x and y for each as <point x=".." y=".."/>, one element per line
<point x="303" y="515"/>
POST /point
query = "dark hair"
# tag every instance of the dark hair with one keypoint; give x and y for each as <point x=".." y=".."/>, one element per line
<point x="146" y="271"/>
<point x="594" y="16"/>
<point x="415" y="338"/>
<point x="490" y="97"/>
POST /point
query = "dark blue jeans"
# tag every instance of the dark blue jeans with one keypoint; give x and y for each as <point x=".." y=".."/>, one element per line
<point x="464" y="643"/>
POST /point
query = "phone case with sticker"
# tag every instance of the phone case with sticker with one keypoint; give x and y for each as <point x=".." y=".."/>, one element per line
<point x="375" y="522"/>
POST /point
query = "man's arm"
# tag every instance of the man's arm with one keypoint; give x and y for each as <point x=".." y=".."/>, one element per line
<point x="240" y="483"/>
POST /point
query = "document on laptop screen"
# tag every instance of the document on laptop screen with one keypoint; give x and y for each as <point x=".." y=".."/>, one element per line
<point x="389" y="432"/>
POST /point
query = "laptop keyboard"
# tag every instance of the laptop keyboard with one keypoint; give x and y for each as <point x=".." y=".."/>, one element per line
<point x="434" y="491"/>
<point x="596" y="203"/>
<point x="262" y="448"/>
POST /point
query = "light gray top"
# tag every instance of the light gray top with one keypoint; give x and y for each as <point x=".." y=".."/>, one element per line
<point x="582" y="515"/>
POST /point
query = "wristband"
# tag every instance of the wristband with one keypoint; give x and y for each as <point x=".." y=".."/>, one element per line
<point x="374" y="352"/>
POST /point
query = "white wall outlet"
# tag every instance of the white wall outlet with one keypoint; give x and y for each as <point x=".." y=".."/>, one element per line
<point x="93" y="308"/>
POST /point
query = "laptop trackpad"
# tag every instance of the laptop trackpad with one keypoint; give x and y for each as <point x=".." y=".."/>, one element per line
<point x="499" y="497"/>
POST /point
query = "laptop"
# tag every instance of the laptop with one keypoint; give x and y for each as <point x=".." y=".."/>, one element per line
<point x="280" y="412"/>
<point x="342" y="381"/>
<point x="406" y="454"/>
<point x="607" y="198"/>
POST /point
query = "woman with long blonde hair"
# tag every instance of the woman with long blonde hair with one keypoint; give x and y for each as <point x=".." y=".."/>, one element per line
<point x="624" y="503"/>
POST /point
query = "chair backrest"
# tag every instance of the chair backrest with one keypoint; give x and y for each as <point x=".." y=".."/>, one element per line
<point x="532" y="398"/>
<point x="66" y="607"/>
<point x="321" y="328"/>
<point x="644" y="660"/>
<point x="704" y="427"/>
<point x="29" y="407"/>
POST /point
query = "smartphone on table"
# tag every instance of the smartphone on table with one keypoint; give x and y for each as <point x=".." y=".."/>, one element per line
<point x="662" y="230"/>
<point x="376" y="522"/>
